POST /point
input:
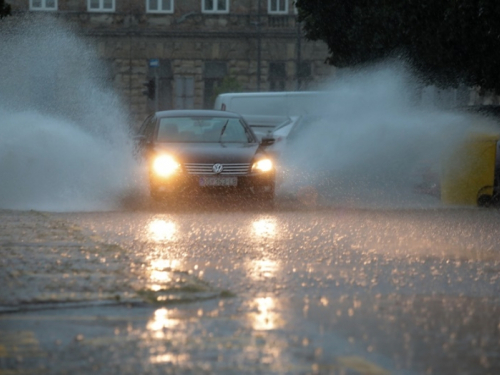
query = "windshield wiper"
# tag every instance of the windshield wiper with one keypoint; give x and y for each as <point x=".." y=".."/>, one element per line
<point x="222" y="131"/>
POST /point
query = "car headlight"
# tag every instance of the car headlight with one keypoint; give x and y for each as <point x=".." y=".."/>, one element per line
<point x="263" y="165"/>
<point x="165" y="165"/>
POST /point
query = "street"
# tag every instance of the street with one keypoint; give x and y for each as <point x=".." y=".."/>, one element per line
<point x="240" y="289"/>
<point x="369" y="132"/>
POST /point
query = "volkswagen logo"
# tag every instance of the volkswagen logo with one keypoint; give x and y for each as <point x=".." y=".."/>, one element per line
<point x="217" y="168"/>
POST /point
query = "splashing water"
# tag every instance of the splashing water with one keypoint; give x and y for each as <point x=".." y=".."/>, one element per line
<point x="64" y="135"/>
<point x="374" y="144"/>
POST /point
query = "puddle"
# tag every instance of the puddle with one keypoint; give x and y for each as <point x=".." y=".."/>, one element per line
<point x="50" y="263"/>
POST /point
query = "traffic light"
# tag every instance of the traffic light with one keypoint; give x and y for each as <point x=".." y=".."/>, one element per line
<point x="150" y="89"/>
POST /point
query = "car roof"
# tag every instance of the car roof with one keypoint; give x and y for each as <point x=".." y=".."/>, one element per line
<point x="197" y="112"/>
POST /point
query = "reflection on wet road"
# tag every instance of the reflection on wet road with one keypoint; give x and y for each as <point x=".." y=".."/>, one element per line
<point x="161" y="230"/>
<point x="333" y="291"/>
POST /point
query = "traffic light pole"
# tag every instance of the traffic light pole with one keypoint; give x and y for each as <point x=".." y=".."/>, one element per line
<point x="157" y="87"/>
<point x="259" y="46"/>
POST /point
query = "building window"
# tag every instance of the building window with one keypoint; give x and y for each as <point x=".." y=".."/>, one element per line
<point x="304" y="75"/>
<point x="213" y="75"/>
<point x="160" y="6"/>
<point x="277" y="6"/>
<point x="184" y="92"/>
<point x="215" y="6"/>
<point x="43" y="4"/>
<point x="277" y="76"/>
<point x="101" y="5"/>
<point x="165" y="81"/>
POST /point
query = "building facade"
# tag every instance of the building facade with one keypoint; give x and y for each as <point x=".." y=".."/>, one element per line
<point x="189" y="50"/>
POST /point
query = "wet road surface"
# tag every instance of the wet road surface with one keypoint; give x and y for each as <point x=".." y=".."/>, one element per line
<point x="250" y="290"/>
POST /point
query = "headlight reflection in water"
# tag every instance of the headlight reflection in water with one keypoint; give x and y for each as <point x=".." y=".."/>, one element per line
<point x="266" y="318"/>
<point x="161" y="230"/>
<point x="160" y="321"/>
<point x="263" y="268"/>
<point x="161" y="266"/>
<point x="160" y="273"/>
<point x="161" y="327"/>
<point x="265" y="227"/>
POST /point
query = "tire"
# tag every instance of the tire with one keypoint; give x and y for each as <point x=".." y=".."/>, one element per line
<point x="484" y="201"/>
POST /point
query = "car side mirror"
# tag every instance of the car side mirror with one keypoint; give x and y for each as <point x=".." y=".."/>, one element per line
<point x="141" y="140"/>
<point x="267" y="141"/>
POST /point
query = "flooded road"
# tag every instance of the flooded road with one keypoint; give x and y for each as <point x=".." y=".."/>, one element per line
<point x="247" y="290"/>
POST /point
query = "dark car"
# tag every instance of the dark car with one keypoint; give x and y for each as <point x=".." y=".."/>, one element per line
<point x="197" y="151"/>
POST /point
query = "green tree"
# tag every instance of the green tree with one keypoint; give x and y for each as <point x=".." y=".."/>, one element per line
<point x="228" y="84"/>
<point x="447" y="41"/>
<point x="4" y="9"/>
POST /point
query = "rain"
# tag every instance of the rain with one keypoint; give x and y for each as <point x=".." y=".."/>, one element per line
<point x="355" y="269"/>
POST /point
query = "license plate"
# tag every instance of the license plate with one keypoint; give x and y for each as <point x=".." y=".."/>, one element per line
<point x="218" y="181"/>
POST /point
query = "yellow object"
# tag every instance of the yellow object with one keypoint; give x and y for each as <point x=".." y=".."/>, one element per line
<point x="467" y="175"/>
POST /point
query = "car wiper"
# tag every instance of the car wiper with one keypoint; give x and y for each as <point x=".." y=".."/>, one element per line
<point x="222" y="131"/>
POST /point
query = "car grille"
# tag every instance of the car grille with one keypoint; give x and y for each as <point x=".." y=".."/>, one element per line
<point x="228" y="169"/>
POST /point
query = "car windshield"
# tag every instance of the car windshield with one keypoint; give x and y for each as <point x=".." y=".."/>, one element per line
<point x="203" y="129"/>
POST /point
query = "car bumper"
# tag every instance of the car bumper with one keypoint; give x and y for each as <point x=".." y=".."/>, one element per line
<point x="181" y="183"/>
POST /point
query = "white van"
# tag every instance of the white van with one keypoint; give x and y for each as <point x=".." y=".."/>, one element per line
<point x="265" y="110"/>
<point x="283" y="103"/>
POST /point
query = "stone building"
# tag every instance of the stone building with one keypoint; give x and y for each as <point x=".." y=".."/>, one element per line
<point x="189" y="48"/>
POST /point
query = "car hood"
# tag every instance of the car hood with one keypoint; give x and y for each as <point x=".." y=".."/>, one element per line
<point x="210" y="152"/>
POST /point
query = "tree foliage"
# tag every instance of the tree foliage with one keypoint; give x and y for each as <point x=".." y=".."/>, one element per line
<point x="228" y="84"/>
<point x="4" y="9"/>
<point x="447" y="41"/>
